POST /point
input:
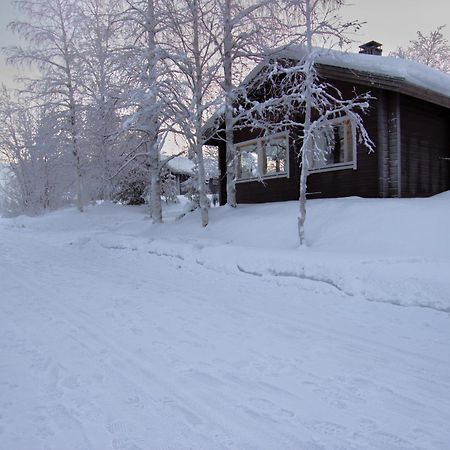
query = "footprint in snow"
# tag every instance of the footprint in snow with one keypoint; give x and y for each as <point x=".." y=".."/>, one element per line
<point x="124" y="444"/>
<point x="71" y="382"/>
<point x="122" y="439"/>
<point x="266" y="408"/>
<point x="44" y="432"/>
<point x="326" y="428"/>
<point x="367" y="425"/>
<point x="392" y="441"/>
<point x="117" y="428"/>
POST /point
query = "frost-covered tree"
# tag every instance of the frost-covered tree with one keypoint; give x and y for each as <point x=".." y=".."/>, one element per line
<point x="322" y="17"/>
<point x="297" y="88"/>
<point x="147" y="98"/>
<point x="432" y="49"/>
<point x="29" y="144"/>
<point x="243" y="36"/>
<point x="102" y="66"/>
<point x="316" y="25"/>
<point x="50" y="30"/>
<point x="192" y="46"/>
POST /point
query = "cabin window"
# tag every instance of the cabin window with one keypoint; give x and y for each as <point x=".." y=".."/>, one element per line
<point x="266" y="157"/>
<point x="335" y="147"/>
<point x="248" y="161"/>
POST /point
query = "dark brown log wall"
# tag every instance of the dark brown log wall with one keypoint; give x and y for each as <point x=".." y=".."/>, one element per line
<point x="425" y="137"/>
<point x="411" y="139"/>
<point x="222" y="172"/>
<point x="362" y="182"/>
<point x="272" y="189"/>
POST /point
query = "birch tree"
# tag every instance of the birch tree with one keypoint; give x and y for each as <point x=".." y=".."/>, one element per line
<point x="103" y="83"/>
<point x="289" y="95"/>
<point x="431" y="49"/>
<point x="147" y="98"/>
<point x="194" y="54"/>
<point x="317" y="21"/>
<point x="29" y="144"/>
<point x="242" y="39"/>
<point x="15" y="145"/>
<point x="51" y="32"/>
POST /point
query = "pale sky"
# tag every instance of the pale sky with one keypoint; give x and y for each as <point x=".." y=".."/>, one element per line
<point x="6" y="38"/>
<point x="391" y="22"/>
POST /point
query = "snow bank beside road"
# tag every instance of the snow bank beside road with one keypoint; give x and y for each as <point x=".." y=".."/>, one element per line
<point x="389" y="250"/>
<point x="385" y="250"/>
<point x="119" y="334"/>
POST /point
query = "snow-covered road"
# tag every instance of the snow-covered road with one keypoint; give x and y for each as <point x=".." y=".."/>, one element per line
<point x="114" y="348"/>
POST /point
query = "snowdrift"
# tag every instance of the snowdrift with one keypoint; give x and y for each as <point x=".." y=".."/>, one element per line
<point x="385" y="250"/>
<point x="116" y="333"/>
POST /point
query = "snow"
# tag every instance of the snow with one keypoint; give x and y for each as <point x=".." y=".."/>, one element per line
<point x="119" y="334"/>
<point x="411" y="72"/>
<point x="3" y="174"/>
<point x="414" y="73"/>
<point x="181" y="165"/>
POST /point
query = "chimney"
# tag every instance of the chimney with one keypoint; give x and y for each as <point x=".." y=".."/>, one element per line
<point x="371" y="48"/>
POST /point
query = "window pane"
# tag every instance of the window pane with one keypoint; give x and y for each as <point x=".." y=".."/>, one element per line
<point x="348" y="140"/>
<point x="336" y="145"/>
<point x="274" y="156"/>
<point x="248" y="161"/>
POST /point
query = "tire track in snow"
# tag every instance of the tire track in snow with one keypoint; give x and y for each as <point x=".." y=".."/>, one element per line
<point x="222" y="409"/>
<point x="288" y="323"/>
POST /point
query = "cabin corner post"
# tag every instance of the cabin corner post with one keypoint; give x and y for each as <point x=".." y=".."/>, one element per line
<point x="399" y="144"/>
<point x="222" y="173"/>
<point x="394" y="146"/>
<point x="382" y="144"/>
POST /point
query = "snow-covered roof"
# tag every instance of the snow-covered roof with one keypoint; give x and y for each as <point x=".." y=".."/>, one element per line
<point x="400" y="71"/>
<point x="181" y="165"/>
<point x="404" y="70"/>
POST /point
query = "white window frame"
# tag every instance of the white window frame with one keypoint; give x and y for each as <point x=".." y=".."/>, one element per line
<point x="259" y="149"/>
<point x="344" y="165"/>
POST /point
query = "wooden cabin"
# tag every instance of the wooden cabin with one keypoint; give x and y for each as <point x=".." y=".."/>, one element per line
<point x="182" y="169"/>
<point x="408" y="122"/>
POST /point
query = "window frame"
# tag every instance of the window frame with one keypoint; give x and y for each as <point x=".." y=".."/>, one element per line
<point x="259" y="148"/>
<point x="343" y="165"/>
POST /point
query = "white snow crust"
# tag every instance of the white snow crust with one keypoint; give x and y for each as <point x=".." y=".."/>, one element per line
<point x="119" y="334"/>
<point x="411" y="72"/>
<point x="403" y="70"/>
<point x="182" y="165"/>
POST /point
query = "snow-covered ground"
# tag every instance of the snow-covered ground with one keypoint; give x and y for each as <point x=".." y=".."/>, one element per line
<point x="116" y="334"/>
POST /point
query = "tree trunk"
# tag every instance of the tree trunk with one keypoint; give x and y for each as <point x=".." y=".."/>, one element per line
<point x="302" y="199"/>
<point x="202" y="185"/>
<point x="79" y="176"/>
<point x="73" y="119"/>
<point x="306" y="147"/>
<point x="153" y="120"/>
<point x="198" y="98"/>
<point x="229" y="122"/>
<point x="155" y="184"/>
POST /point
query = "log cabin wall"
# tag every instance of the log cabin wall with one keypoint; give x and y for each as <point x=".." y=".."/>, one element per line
<point x="364" y="181"/>
<point x="272" y="189"/>
<point x="383" y="143"/>
<point x="393" y="155"/>
<point x="222" y="172"/>
<point x="425" y="148"/>
<point x="411" y="154"/>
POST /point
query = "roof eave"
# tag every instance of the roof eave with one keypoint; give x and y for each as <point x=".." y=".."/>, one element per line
<point x="391" y="83"/>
